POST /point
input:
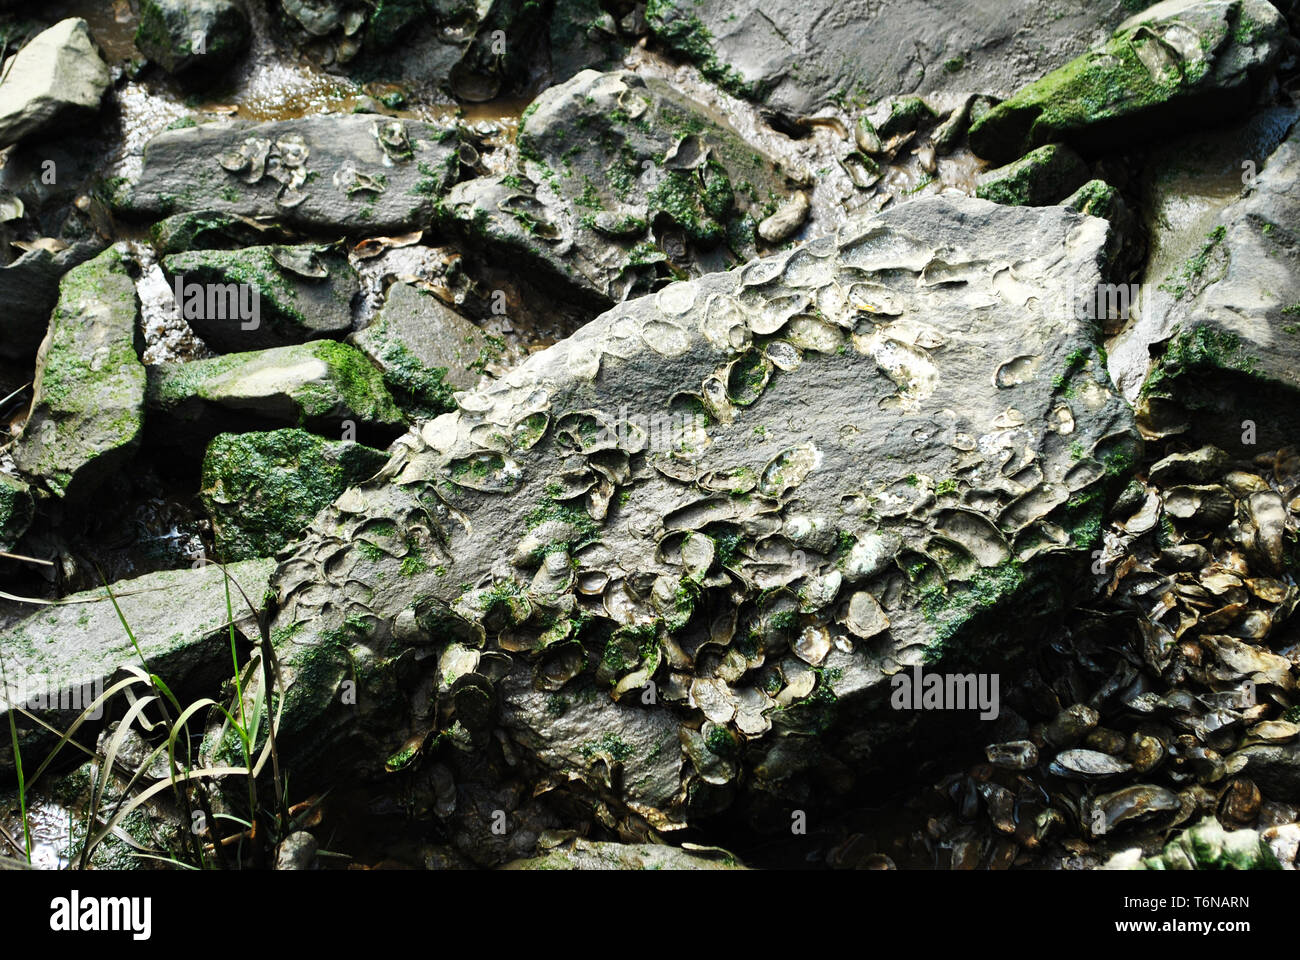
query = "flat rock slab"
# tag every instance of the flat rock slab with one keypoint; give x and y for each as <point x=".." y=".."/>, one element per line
<point x="56" y="81"/>
<point x="359" y="173"/>
<point x="767" y="491"/>
<point x="322" y="385"/>
<point x="88" y="406"/>
<point x="77" y="648"/>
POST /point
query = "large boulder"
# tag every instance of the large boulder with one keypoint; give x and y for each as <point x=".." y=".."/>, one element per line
<point x="261" y="490"/>
<point x="297" y="293"/>
<point x="88" y="405"/>
<point x="622" y="178"/>
<point x="56" y="81"/>
<point x="681" y="554"/>
<point x="325" y="386"/>
<point x="193" y="39"/>
<point x="61" y="659"/>
<point x="1229" y="343"/>
<point x="29" y="289"/>
<point x="799" y="57"/>
<point x="425" y="350"/>
<point x="1181" y="62"/>
<point x="356" y="173"/>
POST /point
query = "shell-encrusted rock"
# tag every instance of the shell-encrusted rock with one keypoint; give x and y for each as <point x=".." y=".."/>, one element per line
<point x="771" y="487"/>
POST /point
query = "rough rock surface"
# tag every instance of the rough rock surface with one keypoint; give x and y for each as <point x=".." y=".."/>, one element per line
<point x="798" y="57"/>
<point x="1174" y="64"/>
<point x="88" y="409"/>
<point x="900" y="431"/>
<point x="16" y="508"/>
<point x="358" y="173"/>
<point x="261" y="490"/>
<point x="303" y="293"/>
<point x="196" y="39"/>
<point x="57" y="80"/>
<point x="178" y="618"/>
<point x="1041" y="177"/>
<point x="613" y="163"/>
<point x="1233" y="330"/>
<point x="424" y="349"/>
<point x="579" y="854"/>
<point x="322" y="385"/>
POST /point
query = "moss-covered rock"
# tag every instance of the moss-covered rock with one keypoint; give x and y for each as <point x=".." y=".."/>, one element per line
<point x="302" y="293"/>
<point x="88" y="409"/>
<point x="1203" y="846"/>
<point x="261" y="489"/>
<point x="192" y="39"/>
<point x="16" y="510"/>
<point x="1182" y="61"/>
<point x="425" y="350"/>
<point x="1038" y="179"/>
<point x="321" y="386"/>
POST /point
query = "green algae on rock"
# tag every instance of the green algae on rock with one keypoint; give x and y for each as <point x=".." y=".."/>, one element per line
<point x="262" y="489"/>
<point x="1039" y="178"/>
<point x="88" y="406"/>
<point x="1180" y="62"/>
<point x="1203" y="846"/>
<point x="322" y="386"/>
<point x="16" y="510"/>
<point x="424" y="349"/>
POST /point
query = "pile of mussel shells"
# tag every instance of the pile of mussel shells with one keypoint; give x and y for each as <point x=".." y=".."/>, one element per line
<point x="1169" y="697"/>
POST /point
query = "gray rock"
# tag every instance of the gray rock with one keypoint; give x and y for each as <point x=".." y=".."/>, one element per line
<point x="302" y="293"/>
<point x="1180" y="62"/>
<point x="358" y="173"/>
<point x="622" y="177"/>
<point x="88" y="405"/>
<point x="799" y="57"/>
<point x="576" y="853"/>
<point x="322" y="385"/>
<point x="209" y="230"/>
<point x="1187" y="185"/>
<point x="56" y="81"/>
<point x="577" y="549"/>
<point x="1230" y="367"/>
<point x="297" y="852"/>
<point x="29" y="289"/>
<point x="424" y="349"/>
<point x="1042" y="177"/>
<point x="16" y="510"/>
<point x="71" y="653"/>
<point x="193" y="39"/>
